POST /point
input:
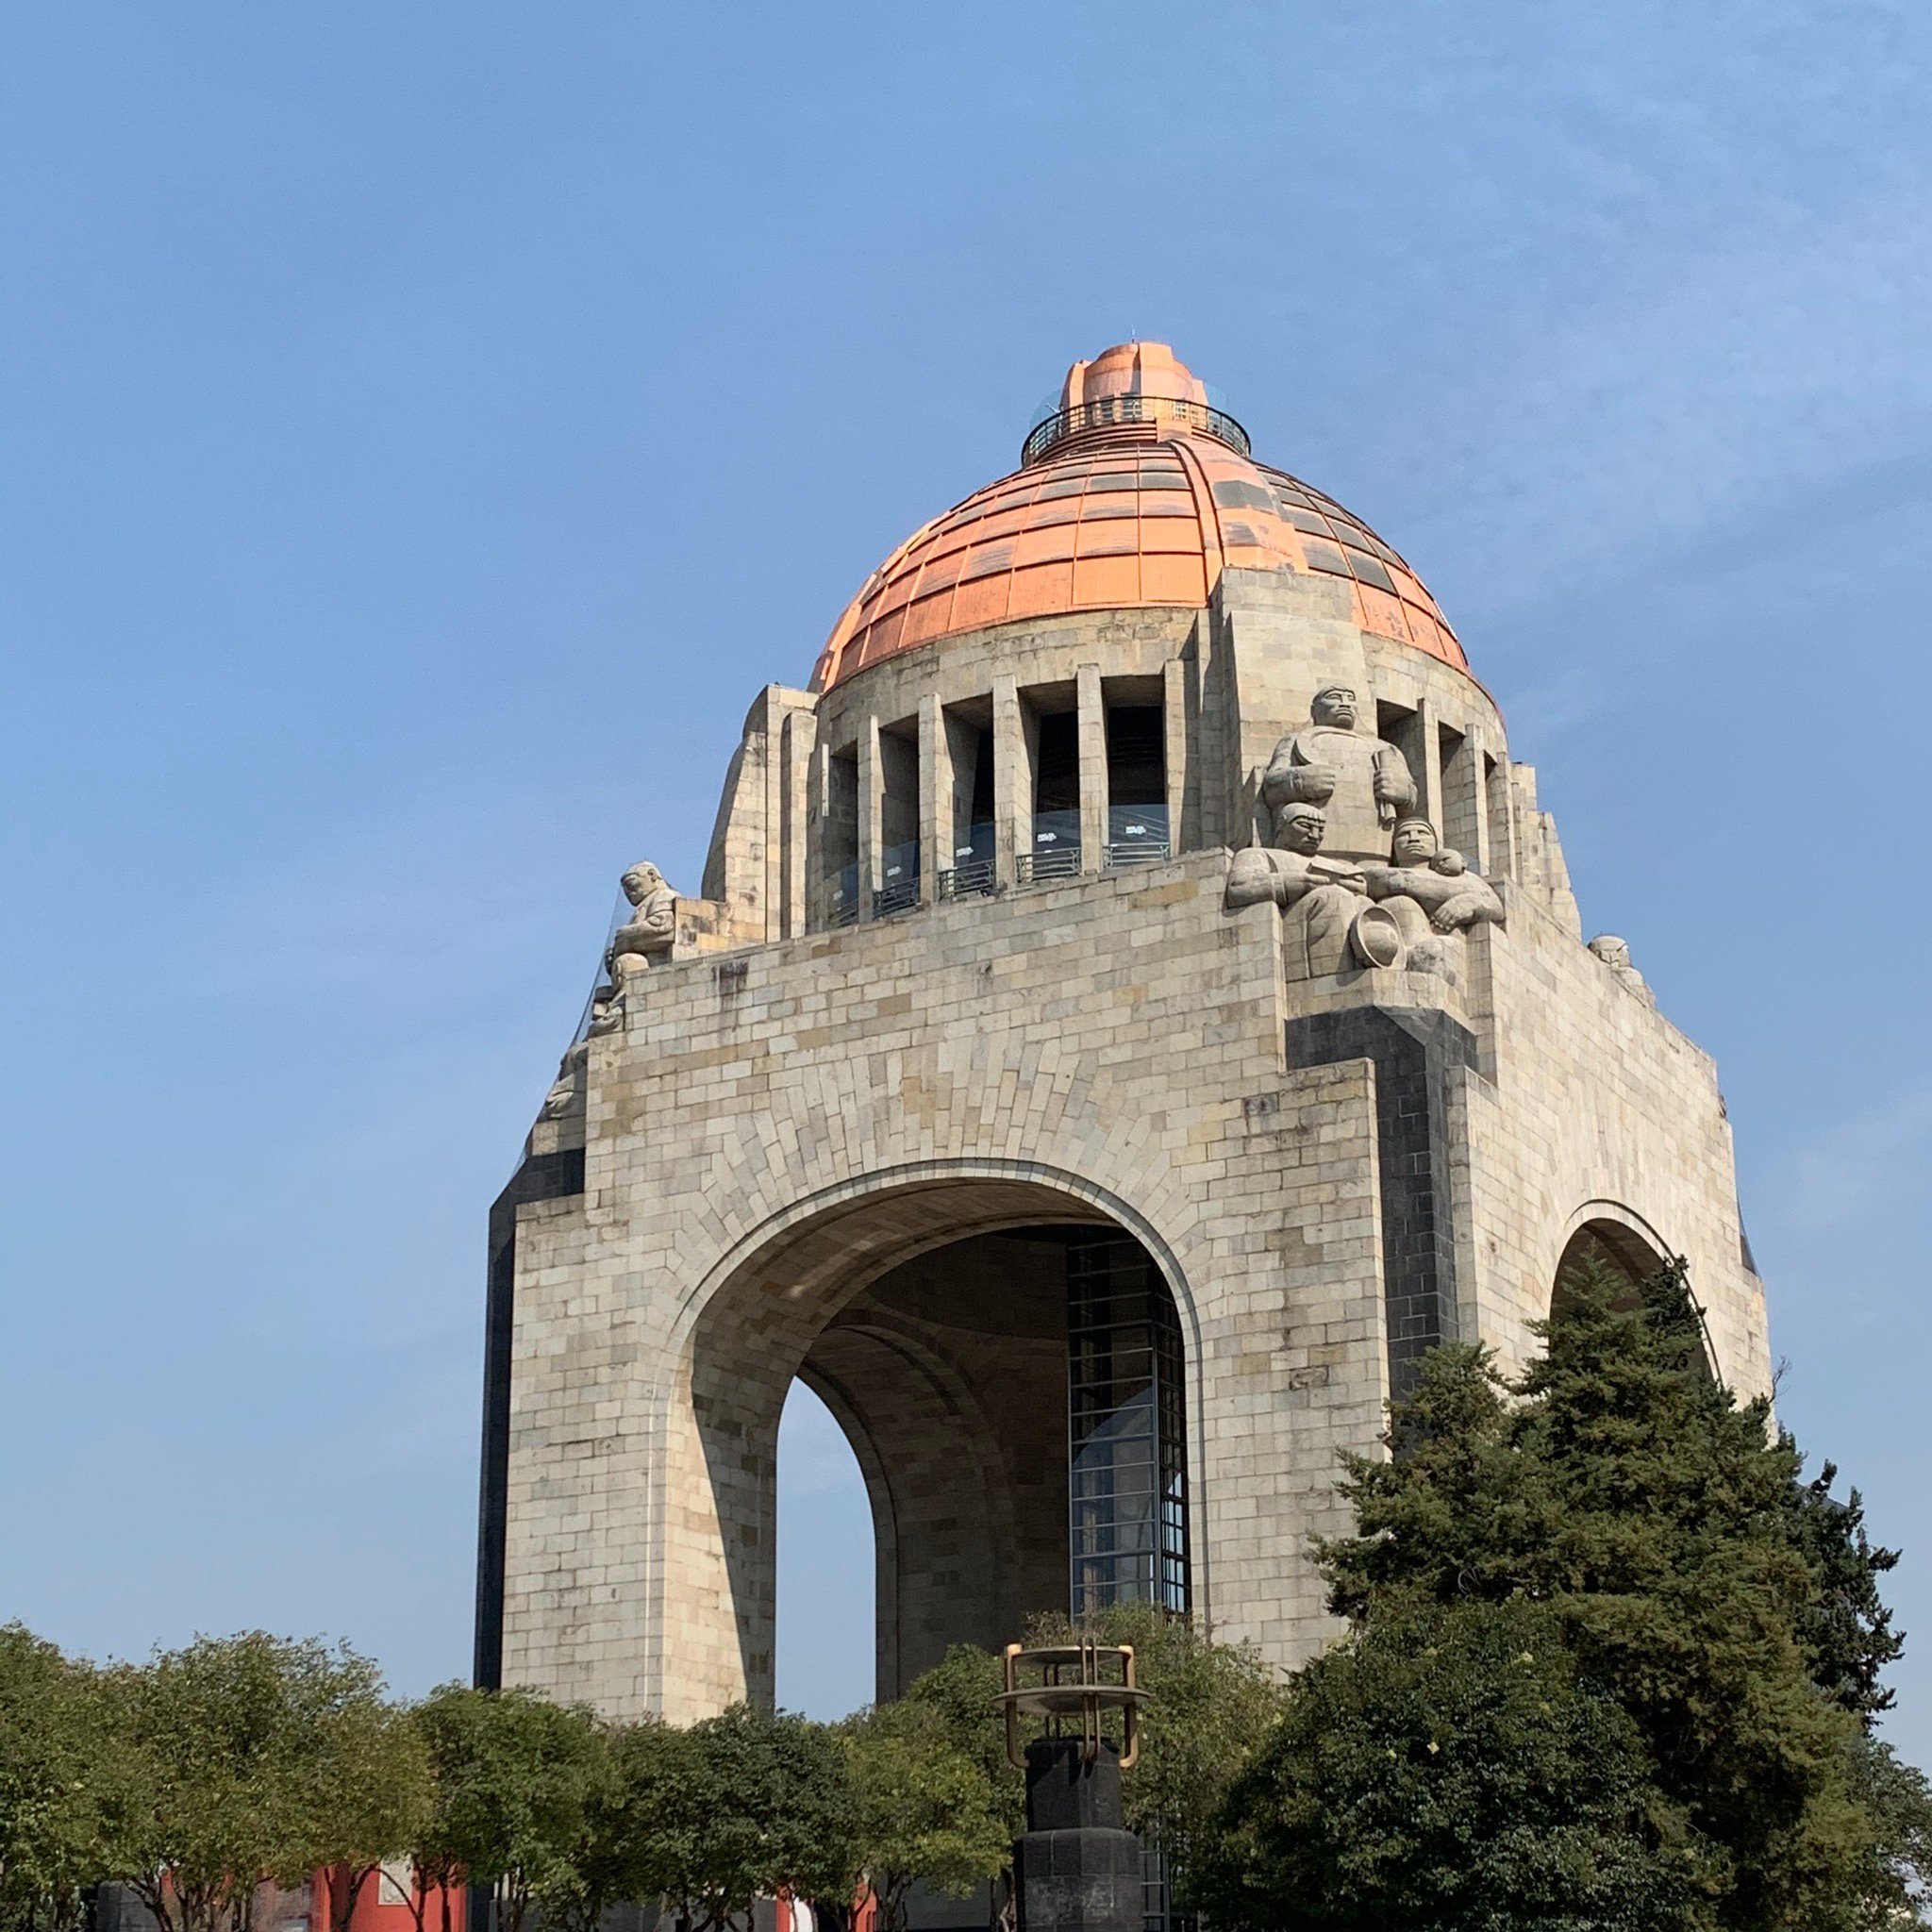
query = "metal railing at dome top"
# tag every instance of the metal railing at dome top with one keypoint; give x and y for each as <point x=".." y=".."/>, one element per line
<point x="1105" y="410"/>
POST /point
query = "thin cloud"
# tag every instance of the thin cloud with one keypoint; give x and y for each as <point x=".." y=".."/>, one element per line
<point x="1863" y="1167"/>
<point x="1799" y="350"/>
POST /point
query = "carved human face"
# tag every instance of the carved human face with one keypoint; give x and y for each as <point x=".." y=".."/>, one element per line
<point x="1414" y="843"/>
<point x="1300" y="828"/>
<point x="640" y="882"/>
<point x="1611" y="949"/>
<point x="1335" y="706"/>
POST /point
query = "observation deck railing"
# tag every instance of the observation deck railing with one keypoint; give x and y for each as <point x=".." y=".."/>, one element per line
<point x="843" y="905"/>
<point x="1052" y="862"/>
<point x="1103" y="411"/>
<point x="968" y="877"/>
<point x="1137" y="835"/>
<point x="898" y="891"/>
<point x="1056" y="853"/>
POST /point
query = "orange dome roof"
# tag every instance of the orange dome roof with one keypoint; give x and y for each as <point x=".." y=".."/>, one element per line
<point x="1135" y="491"/>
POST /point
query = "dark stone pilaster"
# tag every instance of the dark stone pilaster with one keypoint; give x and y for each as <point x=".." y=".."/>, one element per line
<point x="1415" y="1051"/>
<point x="542" y="1177"/>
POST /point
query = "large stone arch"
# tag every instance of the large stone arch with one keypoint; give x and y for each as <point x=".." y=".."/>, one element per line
<point x="946" y="1409"/>
<point x="1618" y="1237"/>
<point x="1615" y="1233"/>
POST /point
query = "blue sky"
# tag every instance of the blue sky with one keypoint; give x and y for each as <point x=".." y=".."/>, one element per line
<point x="428" y="427"/>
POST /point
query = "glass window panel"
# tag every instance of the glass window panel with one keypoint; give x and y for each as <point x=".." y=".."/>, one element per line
<point x="1128" y="1505"/>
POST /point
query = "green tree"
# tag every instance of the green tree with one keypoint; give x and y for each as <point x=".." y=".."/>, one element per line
<point x="243" y="1751"/>
<point x="63" y="1786"/>
<point x="962" y="1693"/>
<point x="367" y="1793"/>
<point x="1728" y="1612"/>
<point x="1843" y="1626"/>
<point x="622" y="1851"/>
<point x="513" y="1775"/>
<point x="742" y="1805"/>
<point x="1447" y="1770"/>
<point x="922" y="1806"/>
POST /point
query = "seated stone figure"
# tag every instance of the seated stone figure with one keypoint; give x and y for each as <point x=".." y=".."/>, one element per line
<point x="647" y="935"/>
<point x="568" y="1092"/>
<point x="1325" y="921"/>
<point x="1290" y="868"/>
<point x="1615" y="953"/>
<point x="1359" y="780"/>
<point x="1428" y="887"/>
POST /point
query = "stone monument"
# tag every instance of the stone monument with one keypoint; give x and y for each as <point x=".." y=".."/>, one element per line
<point x="646" y="936"/>
<point x="1104" y="1204"/>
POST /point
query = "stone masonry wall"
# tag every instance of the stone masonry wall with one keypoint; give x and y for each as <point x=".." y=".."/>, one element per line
<point x="771" y="1133"/>
<point x="1107" y="1047"/>
<point x="1595" y="1106"/>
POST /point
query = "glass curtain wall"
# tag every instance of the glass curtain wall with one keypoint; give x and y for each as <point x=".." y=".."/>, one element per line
<point x="1137" y="828"/>
<point x="841" y="838"/>
<point x="970" y="865"/>
<point x="1127" y="1536"/>
<point x="898" y="884"/>
<point x="1127" y="1431"/>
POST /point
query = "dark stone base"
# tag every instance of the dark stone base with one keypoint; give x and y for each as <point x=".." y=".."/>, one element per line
<point x="1083" y="1880"/>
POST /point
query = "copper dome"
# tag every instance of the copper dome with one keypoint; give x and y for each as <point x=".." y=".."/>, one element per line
<point x="1135" y="491"/>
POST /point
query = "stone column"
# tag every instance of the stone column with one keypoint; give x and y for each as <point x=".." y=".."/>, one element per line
<point x="794" y="767"/>
<point x="1530" y="870"/>
<point x="1174" y="714"/>
<point x="1013" y="799"/>
<point x="1077" y="1868"/>
<point x="1093" y="798"/>
<point x="934" y="797"/>
<point x="1428" y="781"/>
<point x="872" y="799"/>
<point x="816" y="785"/>
<point x="1475" y="776"/>
<point x="1501" y="817"/>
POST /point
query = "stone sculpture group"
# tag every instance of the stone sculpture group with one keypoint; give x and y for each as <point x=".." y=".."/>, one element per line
<point x="1387" y="889"/>
<point x="1361" y="879"/>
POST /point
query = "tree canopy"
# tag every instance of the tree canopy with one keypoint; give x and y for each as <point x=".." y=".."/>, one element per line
<point x="64" y="1786"/>
<point x="1450" y="1768"/>
<point x="922" y="1806"/>
<point x="1710" y="1624"/>
<point x="743" y="1804"/>
<point x="514" y="1777"/>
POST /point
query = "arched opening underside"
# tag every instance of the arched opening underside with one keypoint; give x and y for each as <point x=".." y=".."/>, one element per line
<point x="1008" y="1363"/>
<point x="1614" y="1248"/>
